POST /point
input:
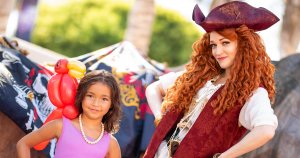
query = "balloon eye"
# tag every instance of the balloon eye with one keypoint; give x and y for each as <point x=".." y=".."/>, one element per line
<point x="57" y="64"/>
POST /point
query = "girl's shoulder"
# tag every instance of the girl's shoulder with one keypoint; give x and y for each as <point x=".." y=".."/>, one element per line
<point x="56" y="122"/>
<point x="113" y="141"/>
<point x="61" y="122"/>
<point x="114" y="148"/>
<point x="54" y="125"/>
<point x="73" y="121"/>
<point x="59" y="125"/>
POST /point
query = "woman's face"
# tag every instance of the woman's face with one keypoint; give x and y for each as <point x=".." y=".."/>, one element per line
<point x="97" y="101"/>
<point x="223" y="49"/>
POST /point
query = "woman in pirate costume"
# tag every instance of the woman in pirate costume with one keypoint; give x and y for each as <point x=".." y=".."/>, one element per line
<point x="226" y="90"/>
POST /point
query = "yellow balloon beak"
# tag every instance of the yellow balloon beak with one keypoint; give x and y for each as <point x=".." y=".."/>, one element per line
<point x="76" y="69"/>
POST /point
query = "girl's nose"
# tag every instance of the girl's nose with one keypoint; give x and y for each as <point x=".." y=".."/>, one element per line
<point x="97" y="102"/>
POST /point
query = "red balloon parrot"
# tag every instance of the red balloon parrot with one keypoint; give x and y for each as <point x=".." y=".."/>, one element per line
<point x="62" y="91"/>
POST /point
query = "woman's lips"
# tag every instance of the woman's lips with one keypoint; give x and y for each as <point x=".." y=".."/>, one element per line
<point x="221" y="58"/>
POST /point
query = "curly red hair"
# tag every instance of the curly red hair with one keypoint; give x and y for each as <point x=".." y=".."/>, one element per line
<point x="252" y="68"/>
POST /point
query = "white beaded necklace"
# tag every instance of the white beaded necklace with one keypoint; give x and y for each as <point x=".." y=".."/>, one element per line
<point x="84" y="136"/>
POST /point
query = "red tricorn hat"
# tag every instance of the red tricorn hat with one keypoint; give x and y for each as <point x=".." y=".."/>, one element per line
<point x="234" y="14"/>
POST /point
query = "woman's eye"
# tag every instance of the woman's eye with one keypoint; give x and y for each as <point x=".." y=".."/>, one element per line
<point x="225" y="43"/>
<point x="212" y="46"/>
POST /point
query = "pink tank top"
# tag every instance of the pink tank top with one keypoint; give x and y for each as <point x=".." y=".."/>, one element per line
<point x="72" y="144"/>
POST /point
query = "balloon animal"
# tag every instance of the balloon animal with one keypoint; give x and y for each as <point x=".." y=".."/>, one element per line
<point x="62" y="91"/>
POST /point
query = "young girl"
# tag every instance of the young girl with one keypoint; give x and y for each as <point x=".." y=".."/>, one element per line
<point x="225" y="90"/>
<point x="88" y="135"/>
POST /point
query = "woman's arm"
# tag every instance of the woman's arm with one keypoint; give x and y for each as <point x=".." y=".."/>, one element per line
<point x="114" y="150"/>
<point x="48" y="131"/>
<point x="257" y="116"/>
<point x="154" y="94"/>
<point x="257" y="137"/>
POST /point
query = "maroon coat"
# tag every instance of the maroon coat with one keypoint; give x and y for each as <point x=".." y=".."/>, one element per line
<point x="210" y="133"/>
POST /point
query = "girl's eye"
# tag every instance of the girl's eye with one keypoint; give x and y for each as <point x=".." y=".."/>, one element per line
<point x="89" y="96"/>
<point x="105" y="99"/>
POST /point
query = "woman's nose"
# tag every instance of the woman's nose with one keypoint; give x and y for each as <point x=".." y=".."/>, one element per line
<point x="218" y="50"/>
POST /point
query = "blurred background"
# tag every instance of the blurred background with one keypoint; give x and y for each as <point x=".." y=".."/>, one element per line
<point x="156" y="34"/>
<point x="160" y="29"/>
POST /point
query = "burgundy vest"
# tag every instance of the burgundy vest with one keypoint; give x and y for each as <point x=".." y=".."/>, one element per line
<point x="210" y="133"/>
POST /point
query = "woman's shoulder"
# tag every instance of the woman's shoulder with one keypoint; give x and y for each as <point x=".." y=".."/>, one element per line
<point x="171" y="74"/>
<point x="260" y="92"/>
<point x="258" y="110"/>
<point x="258" y="100"/>
<point x="259" y="96"/>
<point x="168" y="79"/>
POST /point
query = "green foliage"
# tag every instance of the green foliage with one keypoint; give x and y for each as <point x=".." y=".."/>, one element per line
<point x="82" y="26"/>
<point x="172" y="39"/>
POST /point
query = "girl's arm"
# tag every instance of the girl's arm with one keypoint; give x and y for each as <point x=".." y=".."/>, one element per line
<point x="48" y="131"/>
<point x="257" y="137"/>
<point x="154" y="94"/>
<point x="114" y="150"/>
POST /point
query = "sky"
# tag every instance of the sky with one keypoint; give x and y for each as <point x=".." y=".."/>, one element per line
<point x="270" y="36"/>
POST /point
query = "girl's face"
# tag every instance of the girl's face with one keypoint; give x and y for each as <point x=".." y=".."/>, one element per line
<point x="97" y="101"/>
<point x="223" y="49"/>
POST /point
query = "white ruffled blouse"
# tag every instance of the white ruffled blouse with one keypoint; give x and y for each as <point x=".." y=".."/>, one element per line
<point x="257" y="110"/>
